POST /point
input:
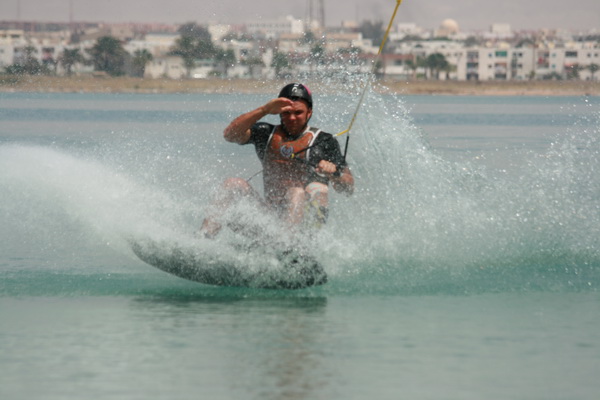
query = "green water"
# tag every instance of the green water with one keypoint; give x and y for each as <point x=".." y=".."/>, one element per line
<point x="231" y="344"/>
<point x="466" y="265"/>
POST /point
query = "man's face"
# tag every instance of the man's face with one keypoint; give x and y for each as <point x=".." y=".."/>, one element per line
<point x="295" y="120"/>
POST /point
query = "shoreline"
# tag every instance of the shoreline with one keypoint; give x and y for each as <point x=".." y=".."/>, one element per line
<point x="92" y="84"/>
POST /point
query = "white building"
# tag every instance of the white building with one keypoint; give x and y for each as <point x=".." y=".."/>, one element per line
<point x="241" y="49"/>
<point x="9" y="40"/>
<point x="218" y="31"/>
<point x="274" y="28"/>
<point x="508" y="63"/>
<point x="337" y="41"/>
<point x="157" y="44"/>
<point x="166" y="67"/>
<point x="292" y="43"/>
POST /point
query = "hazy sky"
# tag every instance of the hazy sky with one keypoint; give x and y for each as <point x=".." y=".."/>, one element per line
<point x="470" y="14"/>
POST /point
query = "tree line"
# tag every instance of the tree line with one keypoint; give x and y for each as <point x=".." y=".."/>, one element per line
<point x="194" y="43"/>
<point x="107" y="55"/>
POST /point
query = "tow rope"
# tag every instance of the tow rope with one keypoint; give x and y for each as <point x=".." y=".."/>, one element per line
<point x="366" y="87"/>
<point x="370" y="77"/>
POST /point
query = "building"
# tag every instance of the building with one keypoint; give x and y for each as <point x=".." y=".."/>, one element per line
<point x="157" y="44"/>
<point x="499" y="54"/>
<point x="274" y="28"/>
<point x="165" y="67"/>
<point x="10" y="39"/>
<point x="448" y="28"/>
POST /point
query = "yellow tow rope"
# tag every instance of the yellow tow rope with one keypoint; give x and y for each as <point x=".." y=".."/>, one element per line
<point x="360" y="101"/>
<point x="362" y="96"/>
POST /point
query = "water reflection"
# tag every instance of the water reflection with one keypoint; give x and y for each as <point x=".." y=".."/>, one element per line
<point x="260" y="344"/>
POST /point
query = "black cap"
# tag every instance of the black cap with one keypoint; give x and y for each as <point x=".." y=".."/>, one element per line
<point x="297" y="91"/>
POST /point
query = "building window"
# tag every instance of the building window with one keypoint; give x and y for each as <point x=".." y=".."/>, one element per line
<point x="542" y="60"/>
<point x="570" y="54"/>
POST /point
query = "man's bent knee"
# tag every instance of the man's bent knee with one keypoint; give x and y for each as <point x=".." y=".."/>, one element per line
<point x="237" y="186"/>
<point x="319" y="192"/>
<point x="296" y="199"/>
<point x="317" y="210"/>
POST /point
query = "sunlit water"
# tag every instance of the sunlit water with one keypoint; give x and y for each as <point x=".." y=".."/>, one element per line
<point x="466" y="265"/>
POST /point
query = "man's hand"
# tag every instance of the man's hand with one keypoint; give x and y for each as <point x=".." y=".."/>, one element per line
<point x="342" y="182"/>
<point x="325" y="167"/>
<point x="278" y="106"/>
<point x="238" y="130"/>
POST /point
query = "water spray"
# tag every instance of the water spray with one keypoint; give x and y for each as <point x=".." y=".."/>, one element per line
<point x="362" y="96"/>
<point x="370" y="77"/>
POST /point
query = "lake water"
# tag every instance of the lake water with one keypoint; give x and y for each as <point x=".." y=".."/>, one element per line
<point x="466" y="265"/>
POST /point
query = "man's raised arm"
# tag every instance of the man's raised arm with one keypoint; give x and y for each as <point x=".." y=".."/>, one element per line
<point x="238" y="130"/>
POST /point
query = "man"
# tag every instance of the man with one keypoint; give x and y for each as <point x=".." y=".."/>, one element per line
<point x="298" y="161"/>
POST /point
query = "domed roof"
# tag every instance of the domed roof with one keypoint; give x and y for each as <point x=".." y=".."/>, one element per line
<point x="449" y="25"/>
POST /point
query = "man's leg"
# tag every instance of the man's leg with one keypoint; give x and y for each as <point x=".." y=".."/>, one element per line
<point x="295" y="198"/>
<point x="318" y="201"/>
<point x="232" y="190"/>
<point x="315" y="194"/>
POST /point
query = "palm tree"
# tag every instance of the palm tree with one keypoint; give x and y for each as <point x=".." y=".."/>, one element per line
<point x="317" y="55"/>
<point x="108" y="55"/>
<point x="308" y="38"/>
<point x="373" y="31"/>
<point x="205" y="49"/>
<point x="593" y="69"/>
<point x="280" y="63"/>
<point x="140" y="59"/>
<point x="69" y="58"/>
<point x="193" y="43"/>
<point x="226" y="58"/>
<point x="186" y="49"/>
<point x="254" y="64"/>
<point x="436" y="62"/>
<point x="573" y="71"/>
<point x="412" y="65"/>
<point x="448" y="68"/>
<point x="27" y="64"/>
<point x="194" y="31"/>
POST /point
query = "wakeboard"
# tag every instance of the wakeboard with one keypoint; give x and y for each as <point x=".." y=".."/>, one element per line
<point x="282" y="269"/>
